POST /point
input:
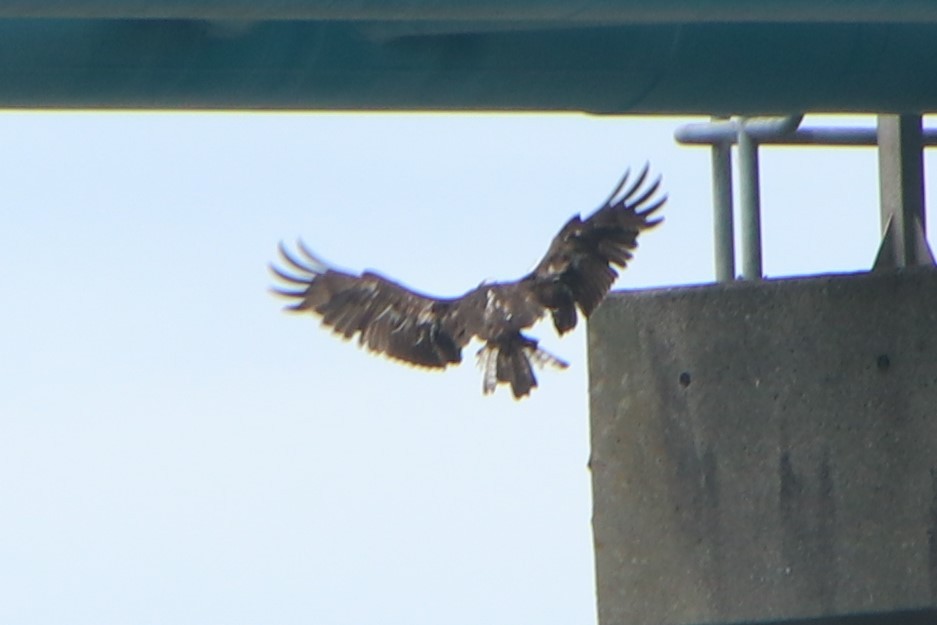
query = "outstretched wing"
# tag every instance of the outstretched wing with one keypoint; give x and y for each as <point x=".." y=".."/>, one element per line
<point x="387" y="317"/>
<point x="578" y="269"/>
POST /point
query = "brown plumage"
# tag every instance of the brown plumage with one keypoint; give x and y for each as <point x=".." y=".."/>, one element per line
<point x="576" y="272"/>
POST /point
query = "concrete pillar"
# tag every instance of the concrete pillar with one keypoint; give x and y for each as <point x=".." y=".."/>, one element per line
<point x="766" y="451"/>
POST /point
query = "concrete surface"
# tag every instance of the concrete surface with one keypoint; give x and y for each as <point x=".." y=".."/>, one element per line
<point x="765" y="451"/>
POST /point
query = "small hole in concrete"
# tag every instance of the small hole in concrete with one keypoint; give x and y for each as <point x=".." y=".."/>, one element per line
<point x="883" y="362"/>
<point x="685" y="379"/>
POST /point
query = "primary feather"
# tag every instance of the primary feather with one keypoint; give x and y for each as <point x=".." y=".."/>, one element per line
<point x="576" y="273"/>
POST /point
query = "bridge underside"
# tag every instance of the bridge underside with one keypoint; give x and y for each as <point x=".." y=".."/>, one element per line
<point x="655" y="66"/>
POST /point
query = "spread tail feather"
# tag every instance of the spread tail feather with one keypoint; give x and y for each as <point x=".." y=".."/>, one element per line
<point x="514" y="368"/>
<point x="542" y="358"/>
<point x="509" y="362"/>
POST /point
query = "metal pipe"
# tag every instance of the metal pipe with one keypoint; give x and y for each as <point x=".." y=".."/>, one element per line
<point x="722" y="132"/>
<point x="721" y="135"/>
<point x="750" y="204"/>
<point x="900" y="140"/>
<point x="723" y="226"/>
<point x="761" y="128"/>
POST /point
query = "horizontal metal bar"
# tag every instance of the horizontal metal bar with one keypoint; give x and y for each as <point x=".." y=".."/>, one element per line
<point x="595" y="11"/>
<point x="727" y="132"/>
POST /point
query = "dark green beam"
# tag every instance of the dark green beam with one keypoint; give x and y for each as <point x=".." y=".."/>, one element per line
<point x="563" y="11"/>
<point x="399" y="65"/>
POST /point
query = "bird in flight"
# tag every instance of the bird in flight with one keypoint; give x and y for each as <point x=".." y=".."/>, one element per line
<point x="576" y="272"/>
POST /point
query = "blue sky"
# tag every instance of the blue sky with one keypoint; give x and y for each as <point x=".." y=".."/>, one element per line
<point x="175" y="449"/>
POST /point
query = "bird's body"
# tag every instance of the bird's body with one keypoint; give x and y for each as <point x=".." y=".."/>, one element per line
<point x="431" y="332"/>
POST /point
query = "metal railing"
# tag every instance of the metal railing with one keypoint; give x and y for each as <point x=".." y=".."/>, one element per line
<point x="901" y="180"/>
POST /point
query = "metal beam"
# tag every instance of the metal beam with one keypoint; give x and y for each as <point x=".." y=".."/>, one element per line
<point x="595" y="11"/>
<point x="901" y="186"/>
<point x="416" y="64"/>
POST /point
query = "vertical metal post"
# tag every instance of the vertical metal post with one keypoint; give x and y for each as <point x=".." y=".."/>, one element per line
<point x="901" y="189"/>
<point x="723" y="226"/>
<point x="749" y="198"/>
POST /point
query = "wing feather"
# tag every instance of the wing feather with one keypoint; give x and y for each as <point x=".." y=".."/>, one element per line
<point x="582" y="258"/>
<point x="388" y="317"/>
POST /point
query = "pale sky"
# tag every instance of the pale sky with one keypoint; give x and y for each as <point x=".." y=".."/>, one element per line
<point x="175" y="449"/>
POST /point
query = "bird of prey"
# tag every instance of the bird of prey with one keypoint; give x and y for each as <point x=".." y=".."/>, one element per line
<point x="576" y="272"/>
